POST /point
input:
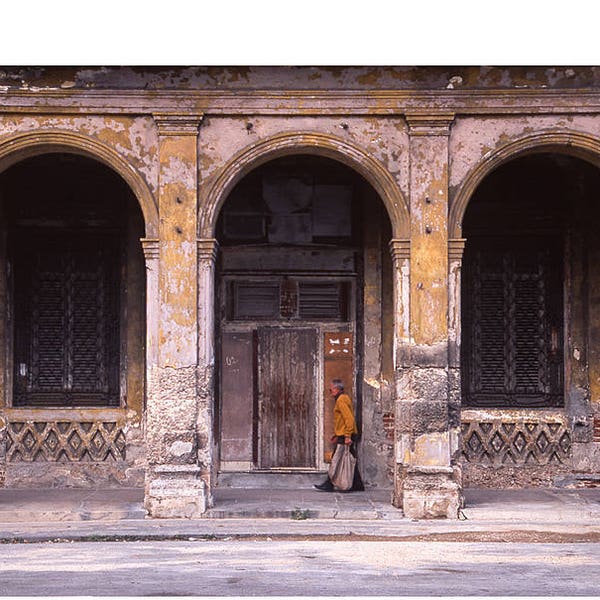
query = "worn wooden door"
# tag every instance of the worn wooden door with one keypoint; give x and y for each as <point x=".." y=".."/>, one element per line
<point x="287" y="397"/>
<point x="513" y="322"/>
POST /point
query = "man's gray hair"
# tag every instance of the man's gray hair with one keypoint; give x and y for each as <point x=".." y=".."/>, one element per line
<point x="338" y="383"/>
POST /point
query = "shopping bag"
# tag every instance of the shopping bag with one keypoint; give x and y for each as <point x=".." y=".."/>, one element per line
<point x="341" y="469"/>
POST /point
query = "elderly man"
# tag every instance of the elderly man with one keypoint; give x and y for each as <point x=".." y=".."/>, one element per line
<point x="345" y="432"/>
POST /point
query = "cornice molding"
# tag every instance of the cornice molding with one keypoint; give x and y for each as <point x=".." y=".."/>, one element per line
<point x="400" y="249"/>
<point x="207" y="249"/>
<point x="456" y="248"/>
<point x="151" y="248"/>
<point x="177" y="123"/>
<point x="195" y="103"/>
<point x="426" y="124"/>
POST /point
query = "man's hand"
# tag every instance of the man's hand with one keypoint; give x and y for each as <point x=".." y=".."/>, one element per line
<point x="347" y="440"/>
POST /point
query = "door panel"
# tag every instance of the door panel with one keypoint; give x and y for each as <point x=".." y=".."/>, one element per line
<point x="237" y="396"/>
<point x="287" y="397"/>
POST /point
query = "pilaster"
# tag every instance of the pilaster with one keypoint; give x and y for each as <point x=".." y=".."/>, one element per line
<point x="207" y="250"/>
<point x="426" y="480"/>
<point x="400" y="252"/>
<point x="174" y="483"/>
<point x="150" y="248"/>
<point x="456" y="248"/>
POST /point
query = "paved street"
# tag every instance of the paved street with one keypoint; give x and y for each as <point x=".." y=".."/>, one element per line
<point x="265" y="568"/>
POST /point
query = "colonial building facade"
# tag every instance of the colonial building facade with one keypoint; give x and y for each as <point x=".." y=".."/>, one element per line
<point x="189" y="255"/>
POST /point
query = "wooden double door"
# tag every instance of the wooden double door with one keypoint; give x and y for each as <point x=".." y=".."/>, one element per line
<point x="270" y="398"/>
<point x="287" y="397"/>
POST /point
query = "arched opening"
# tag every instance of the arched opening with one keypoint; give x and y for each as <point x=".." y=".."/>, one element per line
<point x="72" y="326"/>
<point x="529" y="316"/>
<point x="304" y="295"/>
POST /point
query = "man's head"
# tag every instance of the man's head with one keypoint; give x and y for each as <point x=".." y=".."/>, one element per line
<point x="336" y="387"/>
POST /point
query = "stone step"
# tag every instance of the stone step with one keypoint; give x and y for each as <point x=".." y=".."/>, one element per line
<point x="275" y="480"/>
<point x="302" y="504"/>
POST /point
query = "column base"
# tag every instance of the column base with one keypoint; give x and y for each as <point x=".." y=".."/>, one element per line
<point x="175" y="492"/>
<point x="429" y="493"/>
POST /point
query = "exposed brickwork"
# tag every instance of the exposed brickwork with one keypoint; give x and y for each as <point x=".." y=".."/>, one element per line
<point x="596" y="429"/>
<point x="388" y="425"/>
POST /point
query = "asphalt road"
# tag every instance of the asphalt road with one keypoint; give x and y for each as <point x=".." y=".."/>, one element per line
<point x="300" y="568"/>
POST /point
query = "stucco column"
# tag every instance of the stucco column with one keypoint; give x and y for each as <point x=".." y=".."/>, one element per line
<point x="207" y="254"/>
<point x="174" y="487"/>
<point x="427" y="483"/>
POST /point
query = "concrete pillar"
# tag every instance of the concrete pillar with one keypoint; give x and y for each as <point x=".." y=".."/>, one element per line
<point x="174" y="486"/>
<point x="427" y="482"/>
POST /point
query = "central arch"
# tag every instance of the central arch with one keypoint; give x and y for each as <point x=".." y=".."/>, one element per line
<point x="319" y="144"/>
<point x="304" y="279"/>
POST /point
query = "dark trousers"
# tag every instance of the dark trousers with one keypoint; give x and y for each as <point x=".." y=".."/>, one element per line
<point x="357" y="483"/>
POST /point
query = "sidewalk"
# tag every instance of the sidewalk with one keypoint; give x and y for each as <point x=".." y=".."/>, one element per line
<point x="75" y="514"/>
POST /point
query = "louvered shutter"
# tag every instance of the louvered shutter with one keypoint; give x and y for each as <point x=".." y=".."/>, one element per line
<point x="512" y="323"/>
<point x="67" y="321"/>
<point x="326" y="301"/>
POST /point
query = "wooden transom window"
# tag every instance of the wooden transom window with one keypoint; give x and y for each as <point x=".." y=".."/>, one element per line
<point x="288" y="299"/>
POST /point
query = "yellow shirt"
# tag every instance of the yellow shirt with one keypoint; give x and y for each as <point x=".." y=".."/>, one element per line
<point x="343" y="416"/>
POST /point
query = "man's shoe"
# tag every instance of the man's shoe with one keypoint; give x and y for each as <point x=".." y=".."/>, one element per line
<point x="326" y="486"/>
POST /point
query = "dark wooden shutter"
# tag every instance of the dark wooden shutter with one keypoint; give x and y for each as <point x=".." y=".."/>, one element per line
<point x="67" y="321"/>
<point x="512" y="322"/>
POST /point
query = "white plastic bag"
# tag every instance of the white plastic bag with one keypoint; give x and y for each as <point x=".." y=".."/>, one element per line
<point x="341" y="469"/>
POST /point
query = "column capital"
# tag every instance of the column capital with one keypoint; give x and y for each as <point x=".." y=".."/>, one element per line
<point x="421" y="124"/>
<point x="177" y="123"/>
<point x="150" y="247"/>
<point x="400" y="249"/>
<point x="207" y="249"/>
<point x="456" y="247"/>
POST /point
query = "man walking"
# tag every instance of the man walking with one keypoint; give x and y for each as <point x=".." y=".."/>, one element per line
<point x="345" y="432"/>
